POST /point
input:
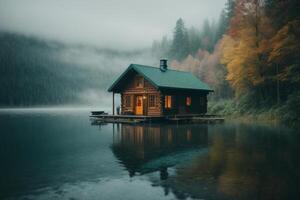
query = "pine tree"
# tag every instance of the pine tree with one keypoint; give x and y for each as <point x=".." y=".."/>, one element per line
<point x="282" y="11"/>
<point x="222" y="26"/>
<point x="207" y="36"/>
<point x="180" y="46"/>
<point x="194" y="40"/>
<point x="160" y="48"/>
<point x="229" y="10"/>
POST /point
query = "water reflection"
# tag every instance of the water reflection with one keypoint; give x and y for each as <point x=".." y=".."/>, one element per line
<point x="232" y="161"/>
<point x="50" y="156"/>
<point x="148" y="148"/>
<point x="243" y="162"/>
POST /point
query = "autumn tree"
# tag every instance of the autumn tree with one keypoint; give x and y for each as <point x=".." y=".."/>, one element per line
<point x="284" y="58"/>
<point x="245" y="49"/>
<point x="208" y="68"/>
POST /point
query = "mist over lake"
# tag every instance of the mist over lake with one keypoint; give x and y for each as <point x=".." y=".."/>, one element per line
<point x="42" y="73"/>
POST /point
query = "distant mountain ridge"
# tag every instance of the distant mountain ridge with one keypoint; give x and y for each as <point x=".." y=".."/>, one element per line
<point x="38" y="72"/>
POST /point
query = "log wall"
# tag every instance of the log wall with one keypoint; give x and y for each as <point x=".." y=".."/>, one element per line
<point x="133" y="91"/>
<point x="198" y="105"/>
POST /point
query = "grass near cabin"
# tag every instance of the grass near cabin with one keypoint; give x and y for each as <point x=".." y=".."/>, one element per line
<point x="287" y="113"/>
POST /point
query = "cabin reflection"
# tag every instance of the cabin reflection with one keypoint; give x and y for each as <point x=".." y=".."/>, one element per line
<point x="149" y="148"/>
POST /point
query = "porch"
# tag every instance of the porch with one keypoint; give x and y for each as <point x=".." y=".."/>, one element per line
<point x="135" y="119"/>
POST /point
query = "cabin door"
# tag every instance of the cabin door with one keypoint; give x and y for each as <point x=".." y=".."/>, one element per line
<point x="139" y="105"/>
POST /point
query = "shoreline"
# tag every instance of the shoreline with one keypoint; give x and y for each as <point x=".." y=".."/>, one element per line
<point x="272" y="115"/>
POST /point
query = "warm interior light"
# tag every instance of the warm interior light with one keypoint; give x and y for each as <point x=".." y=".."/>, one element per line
<point x="168" y="101"/>
<point x="188" y="101"/>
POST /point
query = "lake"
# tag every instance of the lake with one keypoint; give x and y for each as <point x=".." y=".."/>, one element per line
<point x="63" y="155"/>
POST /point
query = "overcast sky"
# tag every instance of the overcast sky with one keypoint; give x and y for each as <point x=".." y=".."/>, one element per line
<point x="119" y="24"/>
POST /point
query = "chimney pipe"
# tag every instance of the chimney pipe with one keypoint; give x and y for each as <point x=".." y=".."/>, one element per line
<point x="163" y="65"/>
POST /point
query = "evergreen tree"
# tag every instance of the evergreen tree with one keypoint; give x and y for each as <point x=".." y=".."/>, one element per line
<point x="222" y="26"/>
<point x="160" y="48"/>
<point x="194" y="40"/>
<point x="180" y="46"/>
<point x="207" y="37"/>
<point x="282" y="12"/>
<point x="229" y="10"/>
<point x="224" y="20"/>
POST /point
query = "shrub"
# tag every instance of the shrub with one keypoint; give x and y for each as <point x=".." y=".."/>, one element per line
<point x="291" y="111"/>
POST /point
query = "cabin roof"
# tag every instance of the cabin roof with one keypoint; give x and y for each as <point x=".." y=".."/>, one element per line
<point x="170" y="79"/>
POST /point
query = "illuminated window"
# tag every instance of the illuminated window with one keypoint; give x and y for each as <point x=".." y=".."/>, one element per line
<point x="168" y="101"/>
<point x="152" y="100"/>
<point x="139" y="82"/>
<point x="188" y="101"/>
<point x="127" y="101"/>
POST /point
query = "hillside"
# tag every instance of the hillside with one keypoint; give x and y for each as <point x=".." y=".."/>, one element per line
<point x="37" y="72"/>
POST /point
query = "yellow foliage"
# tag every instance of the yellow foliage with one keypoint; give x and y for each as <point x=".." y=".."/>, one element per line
<point x="285" y="50"/>
<point x="286" y="42"/>
<point x="234" y="62"/>
<point x="241" y="56"/>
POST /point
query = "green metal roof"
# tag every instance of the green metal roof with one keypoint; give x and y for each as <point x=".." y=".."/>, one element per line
<point x="168" y="79"/>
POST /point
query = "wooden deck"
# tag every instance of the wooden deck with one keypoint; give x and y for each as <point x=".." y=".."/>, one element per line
<point x="134" y="119"/>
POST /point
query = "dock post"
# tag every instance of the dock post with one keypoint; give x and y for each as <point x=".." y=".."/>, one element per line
<point x="113" y="103"/>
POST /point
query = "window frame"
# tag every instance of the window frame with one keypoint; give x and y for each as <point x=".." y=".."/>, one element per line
<point x="154" y="101"/>
<point x="128" y="97"/>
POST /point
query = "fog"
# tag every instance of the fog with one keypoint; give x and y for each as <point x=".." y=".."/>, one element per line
<point x="114" y="24"/>
<point x="81" y="46"/>
<point x="103" y="59"/>
<point x="99" y="60"/>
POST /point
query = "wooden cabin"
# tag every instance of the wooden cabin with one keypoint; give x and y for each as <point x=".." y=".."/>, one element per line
<point x="159" y="91"/>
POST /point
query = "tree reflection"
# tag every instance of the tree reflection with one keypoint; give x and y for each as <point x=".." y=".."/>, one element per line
<point x="243" y="163"/>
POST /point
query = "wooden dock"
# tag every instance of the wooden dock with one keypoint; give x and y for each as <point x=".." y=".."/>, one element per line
<point x="135" y="119"/>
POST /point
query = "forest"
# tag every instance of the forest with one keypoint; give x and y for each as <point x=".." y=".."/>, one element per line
<point x="250" y="57"/>
<point x="36" y="72"/>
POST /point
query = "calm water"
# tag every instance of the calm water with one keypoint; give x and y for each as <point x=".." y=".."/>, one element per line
<point x="52" y="155"/>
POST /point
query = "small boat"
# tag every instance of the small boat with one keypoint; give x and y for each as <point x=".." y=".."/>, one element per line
<point x="98" y="112"/>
